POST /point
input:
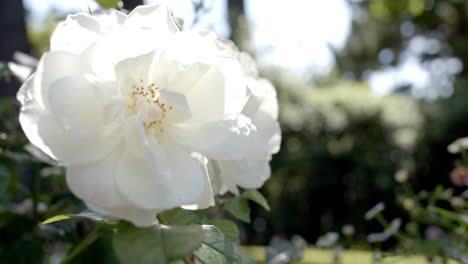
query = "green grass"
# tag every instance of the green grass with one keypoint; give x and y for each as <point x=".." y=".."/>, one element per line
<point x="323" y="256"/>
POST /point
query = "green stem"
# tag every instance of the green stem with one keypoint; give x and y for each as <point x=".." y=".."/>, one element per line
<point x="386" y="225"/>
<point x="408" y="189"/>
<point x="35" y="194"/>
<point x="464" y="155"/>
<point x="447" y="214"/>
<point x="85" y="243"/>
<point x="382" y="220"/>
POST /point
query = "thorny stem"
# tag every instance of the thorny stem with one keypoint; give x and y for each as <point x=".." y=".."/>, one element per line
<point x="83" y="245"/>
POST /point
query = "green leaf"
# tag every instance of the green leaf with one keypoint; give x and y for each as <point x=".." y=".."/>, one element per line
<point x="228" y="228"/>
<point x="57" y="218"/>
<point x="239" y="208"/>
<point x="257" y="197"/>
<point x="85" y="214"/>
<point x="180" y="217"/>
<point x="217" y="248"/>
<point x="157" y="244"/>
<point x="4" y="179"/>
<point x="109" y="3"/>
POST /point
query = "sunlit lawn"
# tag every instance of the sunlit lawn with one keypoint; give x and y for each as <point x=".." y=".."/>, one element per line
<point x="320" y="256"/>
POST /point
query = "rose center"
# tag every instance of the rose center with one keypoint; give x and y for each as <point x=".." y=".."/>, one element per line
<point x="147" y="101"/>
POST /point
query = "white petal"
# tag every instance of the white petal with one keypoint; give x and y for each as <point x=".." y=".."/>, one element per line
<point x="263" y="98"/>
<point x="221" y="91"/>
<point x="223" y="139"/>
<point x="180" y="111"/>
<point x="267" y="140"/>
<point x="66" y="148"/>
<point x="31" y="112"/>
<point x="47" y="134"/>
<point x="249" y="174"/>
<point x="134" y="135"/>
<point x="113" y="108"/>
<point x="139" y="217"/>
<point x="175" y="75"/>
<point x="179" y="66"/>
<point x="54" y="66"/>
<point x="207" y="198"/>
<point x="134" y="71"/>
<point x="248" y="65"/>
<point x="219" y="185"/>
<point x="104" y="89"/>
<point x="73" y="102"/>
<point x="94" y="182"/>
<point x="166" y="176"/>
<point x="75" y="34"/>
<point x="184" y="77"/>
<point x="79" y="31"/>
<point x="156" y="17"/>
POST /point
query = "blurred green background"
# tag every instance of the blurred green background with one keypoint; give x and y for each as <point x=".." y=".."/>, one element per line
<point x="394" y="98"/>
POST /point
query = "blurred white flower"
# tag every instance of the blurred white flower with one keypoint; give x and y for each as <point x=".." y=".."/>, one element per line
<point x="457" y="202"/>
<point x="22" y="65"/>
<point x="401" y="176"/>
<point x="377" y="209"/>
<point x="134" y="108"/>
<point x="394" y="227"/>
<point x="458" y="145"/>
<point x="327" y="240"/>
<point x="391" y="230"/>
<point x="253" y="169"/>
<point x="377" y="237"/>
<point x="409" y="204"/>
<point x="348" y="230"/>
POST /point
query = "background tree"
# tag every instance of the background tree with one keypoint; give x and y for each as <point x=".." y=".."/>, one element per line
<point x="14" y="38"/>
<point x="131" y="4"/>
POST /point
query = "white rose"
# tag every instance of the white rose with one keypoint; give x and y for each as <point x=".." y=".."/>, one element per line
<point x="133" y="108"/>
<point x="253" y="169"/>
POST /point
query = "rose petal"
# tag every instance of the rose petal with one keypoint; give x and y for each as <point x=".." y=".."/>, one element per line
<point x="68" y="149"/>
<point x="180" y="111"/>
<point x="73" y="102"/>
<point x="75" y="34"/>
<point x="263" y="98"/>
<point x="223" y="139"/>
<point x="31" y="112"/>
<point x="156" y="17"/>
<point x="165" y="177"/>
<point x="267" y="140"/>
<point x="52" y="67"/>
<point x="207" y="198"/>
<point x="249" y="174"/>
<point x="225" y="83"/>
<point x="94" y="182"/>
<point x="134" y="71"/>
<point x="139" y="217"/>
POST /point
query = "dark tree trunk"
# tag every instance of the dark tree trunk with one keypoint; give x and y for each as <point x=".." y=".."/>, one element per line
<point x="131" y="4"/>
<point x="236" y="11"/>
<point x="13" y="38"/>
